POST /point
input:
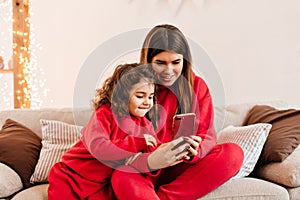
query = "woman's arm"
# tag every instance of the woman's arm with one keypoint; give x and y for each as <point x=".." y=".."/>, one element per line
<point x="203" y="107"/>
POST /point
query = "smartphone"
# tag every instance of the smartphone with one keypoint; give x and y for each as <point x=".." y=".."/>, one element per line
<point x="184" y="125"/>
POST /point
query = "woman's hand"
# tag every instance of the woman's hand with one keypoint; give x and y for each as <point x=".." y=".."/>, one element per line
<point x="194" y="142"/>
<point x="168" y="154"/>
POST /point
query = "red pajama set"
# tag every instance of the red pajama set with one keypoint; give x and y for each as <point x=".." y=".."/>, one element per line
<point x="214" y="165"/>
<point x="83" y="174"/>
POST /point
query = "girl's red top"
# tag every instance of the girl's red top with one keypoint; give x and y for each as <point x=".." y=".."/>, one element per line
<point x="109" y="141"/>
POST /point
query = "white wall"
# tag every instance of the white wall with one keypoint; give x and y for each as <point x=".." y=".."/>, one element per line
<point x="254" y="44"/>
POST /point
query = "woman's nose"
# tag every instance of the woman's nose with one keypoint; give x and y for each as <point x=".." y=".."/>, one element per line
<point x="168" y="68"/>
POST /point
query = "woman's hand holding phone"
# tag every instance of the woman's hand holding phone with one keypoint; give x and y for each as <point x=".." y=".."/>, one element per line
<point x="194" y="142"/>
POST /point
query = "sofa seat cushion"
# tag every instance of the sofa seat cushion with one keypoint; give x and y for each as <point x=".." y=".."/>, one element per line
<point x="38" y="192"/>
<point x="248" y="189"/>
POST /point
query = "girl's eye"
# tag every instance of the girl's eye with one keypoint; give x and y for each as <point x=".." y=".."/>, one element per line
<point x="151" y="97"/>
<point x="139" y="97"/>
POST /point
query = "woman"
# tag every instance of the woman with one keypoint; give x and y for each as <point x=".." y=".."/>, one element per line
<point x="163" y="174"/>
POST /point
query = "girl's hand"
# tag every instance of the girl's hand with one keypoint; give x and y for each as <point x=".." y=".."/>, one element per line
<point x="150" y="140"/>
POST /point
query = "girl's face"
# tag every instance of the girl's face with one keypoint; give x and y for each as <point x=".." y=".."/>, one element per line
<point x="168" y="67"/>
<point x="141" y="98"/>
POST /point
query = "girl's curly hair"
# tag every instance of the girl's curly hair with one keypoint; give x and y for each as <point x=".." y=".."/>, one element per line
<point x="115" y="89"/>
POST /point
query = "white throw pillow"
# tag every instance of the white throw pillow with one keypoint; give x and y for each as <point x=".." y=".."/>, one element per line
<point x="57" y="138"/>
<point x="251" y="139"/>
<point x="10" y="181"/>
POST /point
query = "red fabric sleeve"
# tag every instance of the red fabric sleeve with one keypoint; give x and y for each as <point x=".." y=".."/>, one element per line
<point x="96" y="136"/>
<point x="141" y="164"/>
<point x="203" y="107"/>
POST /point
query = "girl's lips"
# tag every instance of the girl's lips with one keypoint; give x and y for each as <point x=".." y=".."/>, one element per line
<point x="144" y="108"/>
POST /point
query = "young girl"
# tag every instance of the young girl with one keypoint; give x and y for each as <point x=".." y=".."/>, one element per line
<point x="118" y="129"/>
<point x="208" y="164"/>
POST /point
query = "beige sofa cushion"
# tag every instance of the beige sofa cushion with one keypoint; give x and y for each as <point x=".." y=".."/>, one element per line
<point x="248" y="189"/>
<point x="38" y="192"/>
<point x="31" y="118"/>
<point x="294" y="193"/>
<point x="238" y="189"/>
<point x="285" y="173"/>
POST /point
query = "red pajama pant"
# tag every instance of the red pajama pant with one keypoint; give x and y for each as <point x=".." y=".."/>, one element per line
<point x="66" y="184"/>
<point x="183" y="181"/>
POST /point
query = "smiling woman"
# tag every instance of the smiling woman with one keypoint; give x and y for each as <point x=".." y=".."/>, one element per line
<point x="168" y="66"/>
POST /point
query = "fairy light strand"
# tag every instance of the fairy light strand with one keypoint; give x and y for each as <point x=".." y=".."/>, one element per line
<point x="29" y="79"/>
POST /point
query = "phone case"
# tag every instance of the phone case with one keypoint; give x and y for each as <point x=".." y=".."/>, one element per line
<point x="183" y="124"/>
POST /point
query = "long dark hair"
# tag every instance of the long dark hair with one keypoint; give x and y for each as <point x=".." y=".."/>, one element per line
<point x="115" y="89"/>
<point x="167" y="37"/>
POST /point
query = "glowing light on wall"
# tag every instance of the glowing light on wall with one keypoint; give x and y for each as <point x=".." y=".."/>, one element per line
<point x="29" y="81"/>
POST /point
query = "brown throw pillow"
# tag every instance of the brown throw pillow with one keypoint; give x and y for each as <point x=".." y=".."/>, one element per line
<point x="19" y="149"/>
<point x="284" y="136"/>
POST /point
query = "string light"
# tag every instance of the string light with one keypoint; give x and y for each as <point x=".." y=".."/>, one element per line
<point x="38" y="91"/>
<point x="6" y="79"/>
<point x="29" y="79"/>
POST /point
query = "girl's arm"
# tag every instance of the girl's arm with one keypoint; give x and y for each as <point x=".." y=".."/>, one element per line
<point x="96" y="136"/>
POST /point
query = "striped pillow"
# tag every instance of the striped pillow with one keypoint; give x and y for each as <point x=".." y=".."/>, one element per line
<point x="57" y="138"/>
<point x="251" y="139"/>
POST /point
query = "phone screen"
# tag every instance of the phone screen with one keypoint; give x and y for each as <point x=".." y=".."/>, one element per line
<point x="184" y="125"/>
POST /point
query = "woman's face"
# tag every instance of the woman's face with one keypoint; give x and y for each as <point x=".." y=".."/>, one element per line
<point x="168" y="67"/>
<point x="141" y="98"/>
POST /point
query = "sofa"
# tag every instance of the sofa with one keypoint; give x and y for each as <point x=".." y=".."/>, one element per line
<point x="272" y="180"/>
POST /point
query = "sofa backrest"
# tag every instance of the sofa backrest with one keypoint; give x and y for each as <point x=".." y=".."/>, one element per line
<point x="31" y="117"/>
<point x="235" y="114"/>
<point x="224" y="116"/>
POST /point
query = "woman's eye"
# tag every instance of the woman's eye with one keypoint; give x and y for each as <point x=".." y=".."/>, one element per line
<point x="139" y="97"/>
<point x="159" y="63"/>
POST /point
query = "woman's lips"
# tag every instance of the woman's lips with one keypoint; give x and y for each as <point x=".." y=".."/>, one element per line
<point x="168" y="77"/>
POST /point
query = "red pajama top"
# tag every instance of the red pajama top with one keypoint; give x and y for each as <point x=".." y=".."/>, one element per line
<point x="202" y="107"/>
<point x="109" y="141"/>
